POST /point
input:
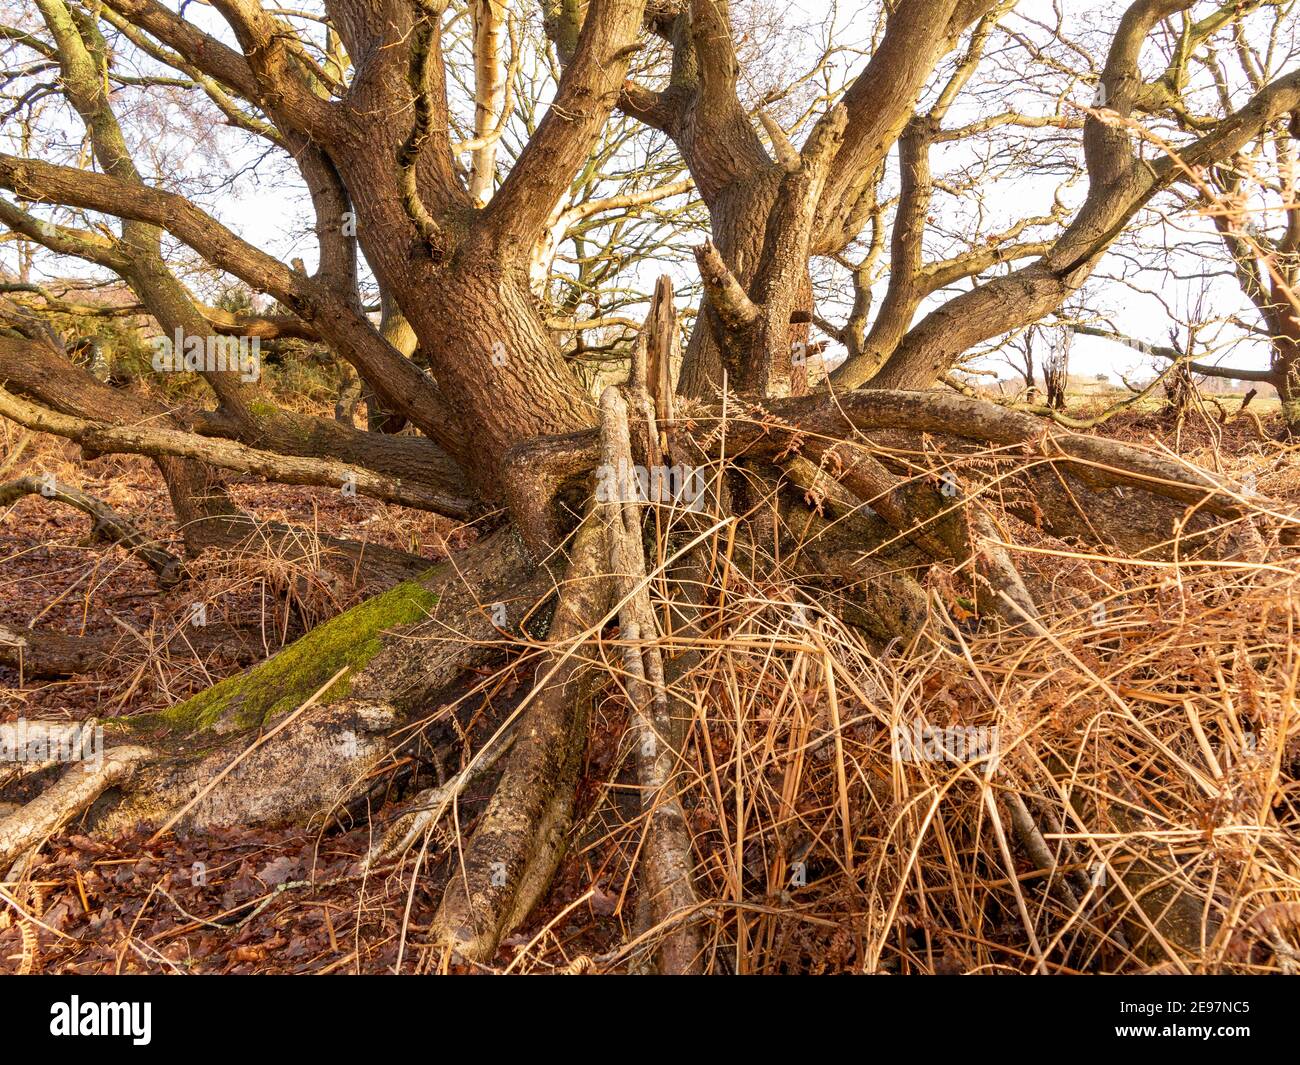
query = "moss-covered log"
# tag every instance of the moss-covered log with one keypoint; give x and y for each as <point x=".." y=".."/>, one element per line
<point x="393" y="655"/>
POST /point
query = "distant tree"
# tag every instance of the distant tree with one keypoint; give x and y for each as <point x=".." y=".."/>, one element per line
<point x="1056" y="369"/>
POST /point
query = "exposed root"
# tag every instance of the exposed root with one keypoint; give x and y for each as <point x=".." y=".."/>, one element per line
<point x="667" y="861"/>
<point x="428" y="807"/>
<point x="80" y="786"/>
<point x="99" y="438"/>
<point x="516" y="846"/>
<point x="775" y="667"/>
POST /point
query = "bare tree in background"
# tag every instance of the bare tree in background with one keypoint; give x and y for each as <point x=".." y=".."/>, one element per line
<point x="1238" y="213"/>
<point x="1056" y="368"/>
<point x="1020" y="354"/>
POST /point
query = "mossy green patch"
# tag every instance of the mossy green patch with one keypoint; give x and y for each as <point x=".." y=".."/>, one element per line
<point x="282" y="683"/>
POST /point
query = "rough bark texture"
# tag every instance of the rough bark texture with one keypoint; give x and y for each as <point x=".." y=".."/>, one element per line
<point x="518" y="842"/>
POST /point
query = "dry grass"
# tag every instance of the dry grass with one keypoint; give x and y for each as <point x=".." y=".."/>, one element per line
<point x="1126" y="799"/>
<point x="1130" y="760"/>
<point x="1136" y="810"/>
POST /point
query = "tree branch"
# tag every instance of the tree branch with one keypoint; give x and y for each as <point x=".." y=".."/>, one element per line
<point x="109" y="524"/>
<point x="227" y="454"/>
<point x="728" y="297"/>
<point x="588" y="90"/>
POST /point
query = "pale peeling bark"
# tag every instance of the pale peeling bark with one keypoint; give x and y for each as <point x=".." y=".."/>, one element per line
<point x="80" y="786"/>
<point x="489" y="24"/>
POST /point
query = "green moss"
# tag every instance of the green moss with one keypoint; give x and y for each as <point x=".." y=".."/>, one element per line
<point x="282" y="683"/>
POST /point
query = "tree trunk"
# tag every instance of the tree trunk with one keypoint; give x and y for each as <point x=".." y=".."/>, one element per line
<point x="1286" y="379"/>
<point x="389" y="662"/>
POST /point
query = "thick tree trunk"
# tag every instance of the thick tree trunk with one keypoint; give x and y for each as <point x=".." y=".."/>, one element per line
<point x="746" y="221"/>
<point x="1286" y="377"/>
<point x="738" y="220"/>
<point x="500" y="374"/>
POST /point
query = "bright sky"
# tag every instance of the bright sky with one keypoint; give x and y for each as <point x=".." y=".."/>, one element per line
<point x="1141" y="315"/>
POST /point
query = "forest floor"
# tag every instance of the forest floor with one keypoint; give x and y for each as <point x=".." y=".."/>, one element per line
<point x="235" y="901"/>
<point x="184" y="904"/>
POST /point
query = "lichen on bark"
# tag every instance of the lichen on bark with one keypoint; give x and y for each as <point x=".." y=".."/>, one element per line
<point x="284" y="681"/>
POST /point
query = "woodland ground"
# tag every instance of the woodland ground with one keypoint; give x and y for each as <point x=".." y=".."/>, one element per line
<point x="208" y="902"/>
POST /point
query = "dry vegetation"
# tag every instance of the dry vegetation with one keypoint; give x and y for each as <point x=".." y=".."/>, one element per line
<point x="1124" y="800"/>
<point x="344" y="354"/>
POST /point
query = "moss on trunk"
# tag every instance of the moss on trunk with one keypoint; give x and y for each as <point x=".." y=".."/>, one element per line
<point x="401" y="661"/>
<point x="282" y="683"/>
